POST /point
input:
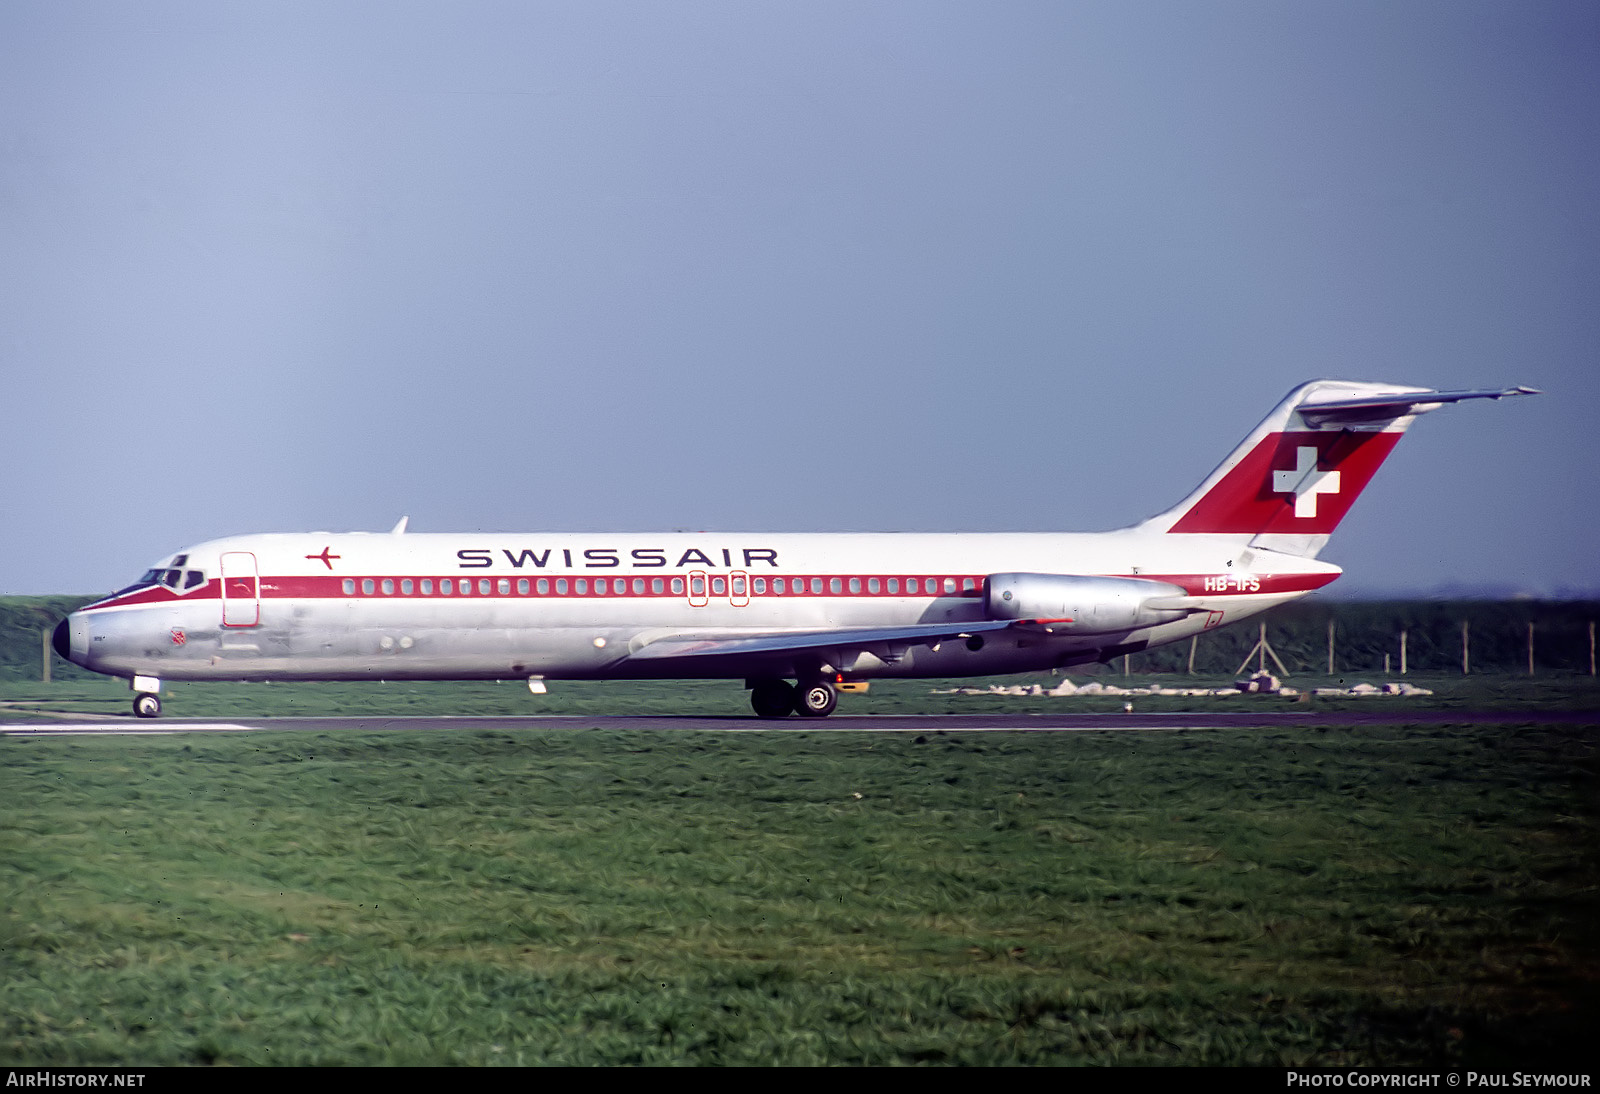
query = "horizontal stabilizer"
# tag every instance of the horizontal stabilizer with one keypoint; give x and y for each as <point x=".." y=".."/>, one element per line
<point x="1379" y="408"/>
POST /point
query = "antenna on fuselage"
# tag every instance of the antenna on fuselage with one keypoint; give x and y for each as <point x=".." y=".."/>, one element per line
<point x="400" y="528"/>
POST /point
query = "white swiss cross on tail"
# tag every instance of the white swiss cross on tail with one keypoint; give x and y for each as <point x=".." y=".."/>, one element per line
<point x="1305" y="482"/>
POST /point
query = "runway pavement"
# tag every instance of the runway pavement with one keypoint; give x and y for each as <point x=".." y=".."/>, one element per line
<point x="839" y="723"/>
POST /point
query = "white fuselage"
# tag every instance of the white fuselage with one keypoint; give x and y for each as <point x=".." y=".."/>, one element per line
<point x="357" y="606"/>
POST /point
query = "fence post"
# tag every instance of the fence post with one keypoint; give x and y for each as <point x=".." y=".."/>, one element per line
<point x="45" y="648"/>
<point x="1465" y="664"/>
<point x="1530" y="647"/>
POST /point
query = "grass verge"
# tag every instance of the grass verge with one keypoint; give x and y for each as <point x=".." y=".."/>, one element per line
<point x="1369" y="896"/>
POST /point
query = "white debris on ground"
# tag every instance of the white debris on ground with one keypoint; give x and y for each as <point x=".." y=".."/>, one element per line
<point x="1368" y="689"/>
<point x="1260" y="684"/>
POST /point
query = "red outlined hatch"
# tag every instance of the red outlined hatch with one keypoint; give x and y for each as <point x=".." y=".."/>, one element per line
<point x="241" y="590"/>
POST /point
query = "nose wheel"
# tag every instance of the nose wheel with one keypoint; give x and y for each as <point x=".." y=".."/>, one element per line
<point x="146" y="705"/>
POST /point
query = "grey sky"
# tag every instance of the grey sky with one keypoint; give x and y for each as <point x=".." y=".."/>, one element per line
<point x="809" y="266"/>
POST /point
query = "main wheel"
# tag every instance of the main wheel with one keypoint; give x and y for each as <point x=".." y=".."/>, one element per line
<point x="815" y="700"/>
<point x="146" y="705"/>
<point x="772" y="698"/>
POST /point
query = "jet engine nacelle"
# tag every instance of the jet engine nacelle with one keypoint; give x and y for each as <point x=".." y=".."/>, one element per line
<point x="1068" y="604"/>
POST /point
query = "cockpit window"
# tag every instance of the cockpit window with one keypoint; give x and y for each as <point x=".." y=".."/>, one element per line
<point x="151" y="577"/>
<point x="179" y="581"/>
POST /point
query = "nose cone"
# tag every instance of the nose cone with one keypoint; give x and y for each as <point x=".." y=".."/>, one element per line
<point x="71" y="638"/>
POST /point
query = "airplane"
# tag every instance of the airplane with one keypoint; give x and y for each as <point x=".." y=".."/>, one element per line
<point x="820" y="610"/>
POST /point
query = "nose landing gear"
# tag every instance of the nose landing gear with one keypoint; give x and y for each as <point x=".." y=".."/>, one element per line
<point x="146" y="703"/>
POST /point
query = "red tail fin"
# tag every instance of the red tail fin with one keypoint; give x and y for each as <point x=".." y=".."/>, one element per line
<point x="1297" y="474"/>
<point x="1297" y="482"/>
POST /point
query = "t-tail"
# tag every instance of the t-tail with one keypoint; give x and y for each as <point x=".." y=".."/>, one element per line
<point x="1292" y="480"/>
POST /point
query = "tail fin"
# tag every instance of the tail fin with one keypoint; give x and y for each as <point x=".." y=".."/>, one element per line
<point x="1292" y="480"/>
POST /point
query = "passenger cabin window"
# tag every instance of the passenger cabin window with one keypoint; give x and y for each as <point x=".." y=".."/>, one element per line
<point x="349" y="586"/>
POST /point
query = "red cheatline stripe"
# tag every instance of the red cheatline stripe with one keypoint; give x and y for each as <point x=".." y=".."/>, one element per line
<point x="332" y="587"/>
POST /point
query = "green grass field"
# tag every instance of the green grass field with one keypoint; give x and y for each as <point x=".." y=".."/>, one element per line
<point x="1381" y="895"/>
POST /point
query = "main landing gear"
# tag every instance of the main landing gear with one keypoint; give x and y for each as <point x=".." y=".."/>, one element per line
<point x="779" y="699"/>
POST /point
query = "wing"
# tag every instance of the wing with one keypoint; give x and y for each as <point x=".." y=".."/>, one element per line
<point x="827" y="644"/>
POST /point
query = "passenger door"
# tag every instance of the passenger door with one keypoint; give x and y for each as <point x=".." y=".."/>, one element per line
<point x="241" y="590"/>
